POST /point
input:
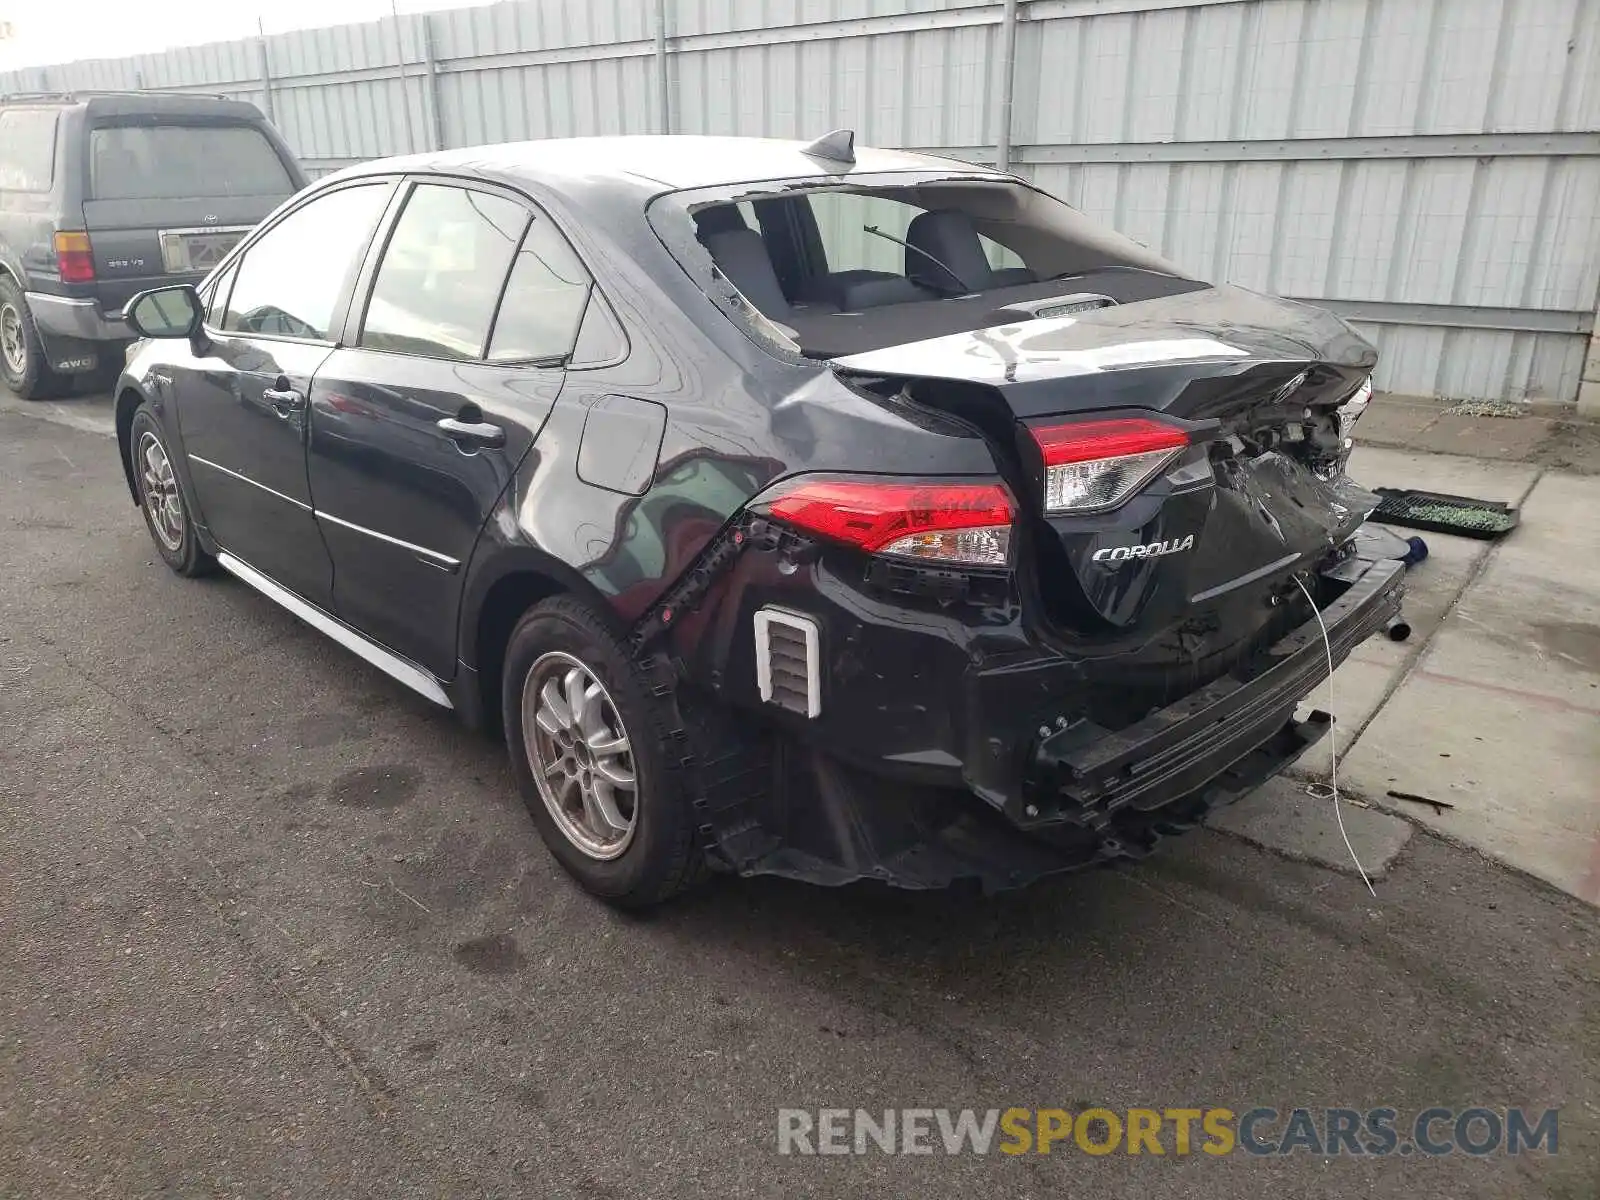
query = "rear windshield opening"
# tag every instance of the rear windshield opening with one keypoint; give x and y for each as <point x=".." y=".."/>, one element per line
<point x="171" y="162"/>
<point x="842" y="269"/>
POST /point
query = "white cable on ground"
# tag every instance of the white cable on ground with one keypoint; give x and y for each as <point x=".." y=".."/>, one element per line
<point x="1333" y="740"/>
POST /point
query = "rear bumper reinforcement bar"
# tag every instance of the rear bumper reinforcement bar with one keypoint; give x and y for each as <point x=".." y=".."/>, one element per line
<point x="1084" y="773"/>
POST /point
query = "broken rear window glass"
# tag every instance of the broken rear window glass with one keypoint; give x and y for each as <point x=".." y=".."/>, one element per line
<point x="833" y="269"/>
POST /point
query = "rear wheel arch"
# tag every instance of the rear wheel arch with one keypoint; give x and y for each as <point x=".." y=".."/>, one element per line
<point x="26" y="362"/>
<point x="11" y="267"/>
<point x="497" y="602"/>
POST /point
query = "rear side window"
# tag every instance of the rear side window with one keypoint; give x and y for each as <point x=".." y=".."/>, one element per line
<point x="27" y="149"/>
<point x="441" y="275"/>
<point x="171" y="162"/>
<point x="545" y="298"/>
<point x="289" y="282"/>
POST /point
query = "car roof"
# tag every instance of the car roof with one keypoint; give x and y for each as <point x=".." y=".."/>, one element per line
<point x="119" y="104"/>
<point x="661" y="162"/>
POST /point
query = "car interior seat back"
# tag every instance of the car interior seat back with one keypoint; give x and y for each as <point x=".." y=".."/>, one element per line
<point x="947" y="236"/>
<point x="742" y="257"/>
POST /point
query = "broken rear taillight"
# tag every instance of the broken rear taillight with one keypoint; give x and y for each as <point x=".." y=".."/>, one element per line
<point x="1095" y="465"/>
<point x="957" y="523"/>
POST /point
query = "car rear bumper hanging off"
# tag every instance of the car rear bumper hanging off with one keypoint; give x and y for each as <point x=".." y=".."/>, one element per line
<point x="1088" y="795"/>
<point x="1083" y="774"/>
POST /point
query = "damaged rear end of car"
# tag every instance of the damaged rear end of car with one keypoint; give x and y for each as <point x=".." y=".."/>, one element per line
<point x="997" y="675"/>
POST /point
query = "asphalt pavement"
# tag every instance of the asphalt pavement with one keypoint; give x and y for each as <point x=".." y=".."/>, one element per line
<point x="272" y="926"/>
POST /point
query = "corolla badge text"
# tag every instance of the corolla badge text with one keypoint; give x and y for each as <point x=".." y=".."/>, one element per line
<point x="1151" y="550"/>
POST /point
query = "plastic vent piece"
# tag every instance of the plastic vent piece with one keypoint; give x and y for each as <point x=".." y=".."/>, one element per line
<point x="787" y="669"/>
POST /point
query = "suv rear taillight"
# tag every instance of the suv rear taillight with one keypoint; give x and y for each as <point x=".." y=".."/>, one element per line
<point x="74" y="259"/>
<point x="957" y="523"/>
<point x="1090" y="466"/>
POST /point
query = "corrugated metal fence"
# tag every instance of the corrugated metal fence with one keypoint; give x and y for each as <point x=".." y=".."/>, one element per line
<point x="1429" y="169"/>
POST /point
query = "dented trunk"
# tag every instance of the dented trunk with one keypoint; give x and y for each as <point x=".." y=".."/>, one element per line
<point x="1239" y="393"/>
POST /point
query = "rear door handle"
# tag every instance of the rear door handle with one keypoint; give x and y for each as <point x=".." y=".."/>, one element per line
<point x="473" y="433"/>
<point x="285" y="400"/>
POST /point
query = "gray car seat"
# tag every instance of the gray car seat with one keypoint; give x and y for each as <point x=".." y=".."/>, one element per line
<point x="947" y="235"/>
<point x="741" y="255"/>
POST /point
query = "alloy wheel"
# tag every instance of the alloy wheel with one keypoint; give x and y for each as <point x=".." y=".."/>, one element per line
<point x="160" y="487"/>
<point x="580" y="755"/>
<point x="13" y="343"/>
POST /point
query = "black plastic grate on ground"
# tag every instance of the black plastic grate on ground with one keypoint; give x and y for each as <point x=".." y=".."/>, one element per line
<point x="1438" y="512"/>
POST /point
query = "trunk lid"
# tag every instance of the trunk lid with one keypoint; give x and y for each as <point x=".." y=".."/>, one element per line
<point x="1195" y="566"/>
<point x="1182" y="354"/>
<point x="167" y="200"/>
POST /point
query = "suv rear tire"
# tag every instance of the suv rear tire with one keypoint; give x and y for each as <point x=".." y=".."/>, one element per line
<point x="588" y="742"/>
<point x="22" y="357"/>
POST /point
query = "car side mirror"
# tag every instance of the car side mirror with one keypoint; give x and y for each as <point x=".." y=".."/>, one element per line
<point x="166" y="312"/>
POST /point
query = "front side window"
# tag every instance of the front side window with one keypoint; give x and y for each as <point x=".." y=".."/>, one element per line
<point x="442" y="273"/>
<point x="171" y="162"/>
<point x="289" y="282"/>
<point x="545" y="298"/>
<point x="27" y="149"/>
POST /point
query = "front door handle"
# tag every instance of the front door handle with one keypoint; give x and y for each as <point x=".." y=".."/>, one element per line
<point x="285" y="400"/>
<point x="473" y="433"/>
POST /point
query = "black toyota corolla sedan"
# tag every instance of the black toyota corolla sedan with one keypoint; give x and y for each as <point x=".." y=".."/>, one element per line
<point x="791" y="508"/>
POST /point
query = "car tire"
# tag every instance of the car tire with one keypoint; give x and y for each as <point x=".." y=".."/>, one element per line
<point x="633" y="846"/>
<point x="22" y="357"/>
<point x="166" y="512"/>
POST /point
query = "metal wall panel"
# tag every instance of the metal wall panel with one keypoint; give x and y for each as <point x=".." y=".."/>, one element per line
<point x="726" y="16"/>
<point x="927" y="88"/>
<point x="1430" y="169"/>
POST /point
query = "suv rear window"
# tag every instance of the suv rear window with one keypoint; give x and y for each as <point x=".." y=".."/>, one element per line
<point x="172" y="162"/>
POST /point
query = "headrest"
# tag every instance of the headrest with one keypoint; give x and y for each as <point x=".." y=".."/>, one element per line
<point x="946" y="235"/>
<point x="717" y="218"/>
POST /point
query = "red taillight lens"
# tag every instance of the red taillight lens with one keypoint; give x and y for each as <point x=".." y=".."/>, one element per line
<point x="966" y="523"/>
<point x="1092" y="465"/>
<point x="74" y="258"/>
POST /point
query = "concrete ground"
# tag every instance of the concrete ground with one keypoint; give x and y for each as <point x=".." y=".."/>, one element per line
<point x="271" y="926"/>
<point x="1484" y="726"/>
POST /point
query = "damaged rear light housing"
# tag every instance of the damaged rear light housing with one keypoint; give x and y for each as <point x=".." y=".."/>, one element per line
<point x="960" y="524"/>
<point x="1354" y="405"/>
<point x="1090" y="466"/>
